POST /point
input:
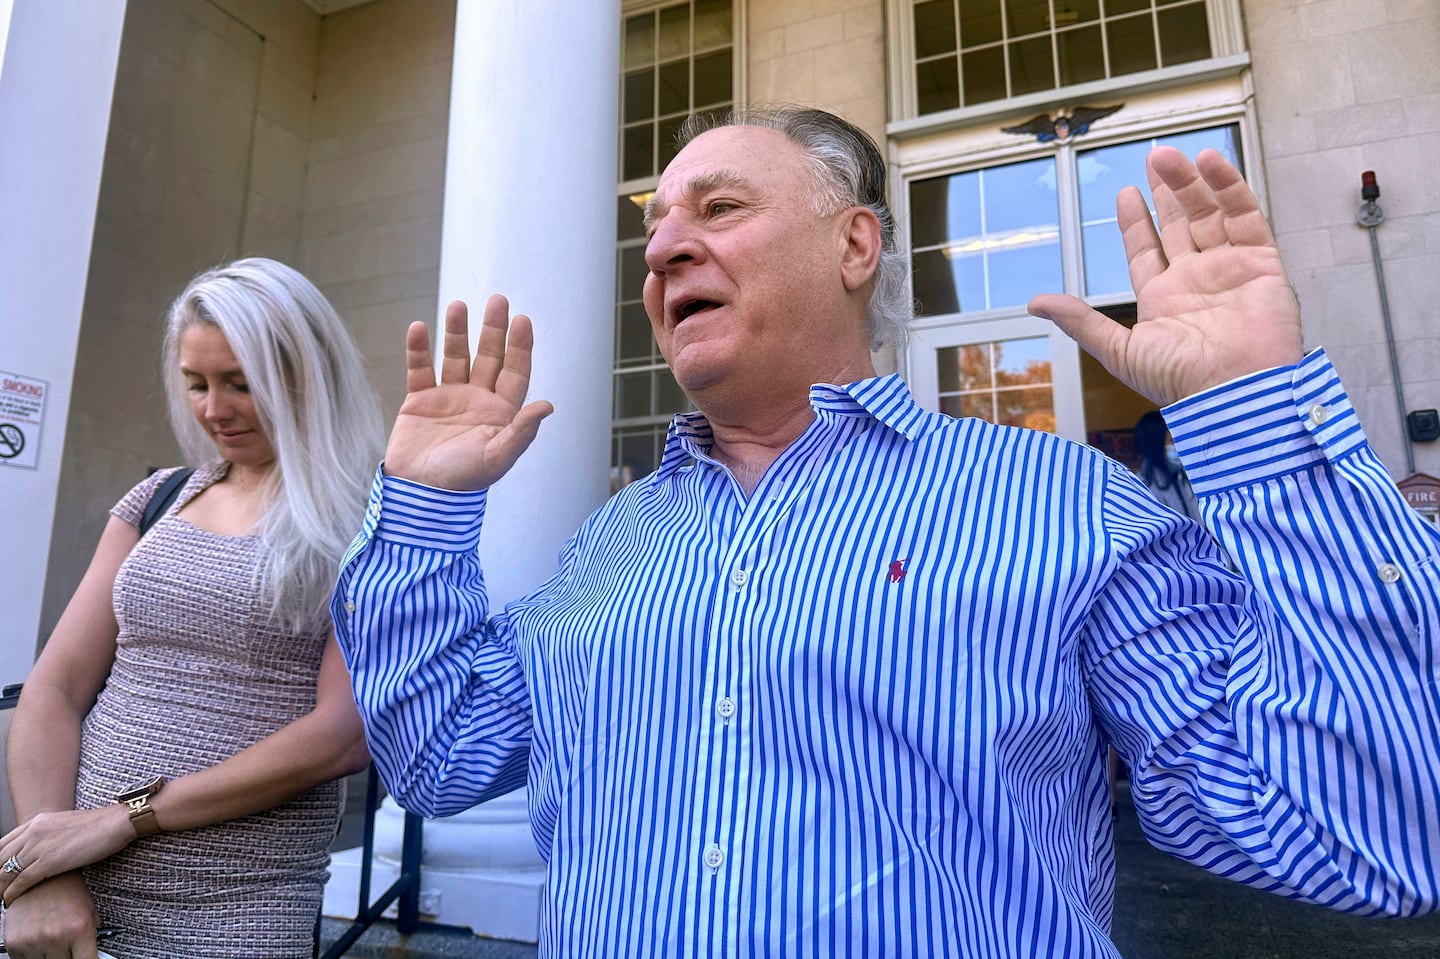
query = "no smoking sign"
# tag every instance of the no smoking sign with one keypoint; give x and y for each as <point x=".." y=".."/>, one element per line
<point x="22" y="412"/>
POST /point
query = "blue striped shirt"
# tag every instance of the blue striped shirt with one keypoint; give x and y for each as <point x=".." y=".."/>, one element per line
<point x="864" y="711"/>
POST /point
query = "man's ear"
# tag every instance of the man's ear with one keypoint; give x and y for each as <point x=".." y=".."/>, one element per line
<point x="860" y="254"/>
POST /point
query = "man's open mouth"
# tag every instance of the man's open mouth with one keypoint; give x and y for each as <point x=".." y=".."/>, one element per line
<point x="690" y="307"/>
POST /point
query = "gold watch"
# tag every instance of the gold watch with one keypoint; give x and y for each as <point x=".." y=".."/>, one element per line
<point x="137" y="797"/>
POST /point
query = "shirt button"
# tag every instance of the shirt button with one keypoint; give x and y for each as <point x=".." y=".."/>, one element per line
<point x="1389" y="573"/>
<point x="1319" y="414"/>
<point x="349" y="606"/>
<point x="714" y="856"/>
<point x="739" y="578"/>
<point x="725" y="707"/>
<point x="374" y="512"/>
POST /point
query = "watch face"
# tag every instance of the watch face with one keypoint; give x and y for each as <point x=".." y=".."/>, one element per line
<point x="148" y="787"/>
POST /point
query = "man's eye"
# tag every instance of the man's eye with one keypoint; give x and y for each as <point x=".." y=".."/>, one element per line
<point x="719" y="208"/>
<point x="196" y="387"/>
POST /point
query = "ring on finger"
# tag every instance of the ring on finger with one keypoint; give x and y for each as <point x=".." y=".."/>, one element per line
<point x="12" y="866"/>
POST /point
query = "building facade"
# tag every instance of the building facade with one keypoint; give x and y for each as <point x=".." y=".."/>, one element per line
<point x="406" y="152"/>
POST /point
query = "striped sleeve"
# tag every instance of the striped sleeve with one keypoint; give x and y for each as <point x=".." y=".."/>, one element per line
<point x="439" y="686"/>
<point x="1283" y="725"/>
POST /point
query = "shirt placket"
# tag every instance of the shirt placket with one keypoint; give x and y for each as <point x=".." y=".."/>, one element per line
<point x="728" y="754"/>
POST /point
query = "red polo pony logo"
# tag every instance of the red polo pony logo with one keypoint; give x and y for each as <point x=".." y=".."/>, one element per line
<point x="897" y="570"/>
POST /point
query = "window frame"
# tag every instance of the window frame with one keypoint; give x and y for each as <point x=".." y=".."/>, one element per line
<point x="1228" y="44"/>
<point x="941" y="150"/>
<point x="640" y="186"/>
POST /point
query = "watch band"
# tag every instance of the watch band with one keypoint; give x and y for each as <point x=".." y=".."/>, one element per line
<point x="142" y="817"/>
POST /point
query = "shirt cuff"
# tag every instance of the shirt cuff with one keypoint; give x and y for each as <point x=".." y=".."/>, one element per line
<point x="1264" y="425"/>
<point x="412" y="514"/>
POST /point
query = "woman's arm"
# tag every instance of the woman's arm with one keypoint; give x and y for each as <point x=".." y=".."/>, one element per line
<point x="43" y="752"/>
<point x="325" y="744"/>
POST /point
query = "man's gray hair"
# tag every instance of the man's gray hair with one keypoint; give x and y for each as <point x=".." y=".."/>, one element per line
<point x="849" y="170"/>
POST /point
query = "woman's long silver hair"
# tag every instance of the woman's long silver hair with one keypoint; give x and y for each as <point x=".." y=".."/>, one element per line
<point x="317" y="409"/>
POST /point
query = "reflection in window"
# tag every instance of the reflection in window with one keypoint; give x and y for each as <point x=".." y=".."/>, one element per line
<point x="676" y="60"/>
<point x="1006" y="382"/>
<point x="1103" y="171"/>
<point x="979" y="51"/>
<point x="985" y="239"/>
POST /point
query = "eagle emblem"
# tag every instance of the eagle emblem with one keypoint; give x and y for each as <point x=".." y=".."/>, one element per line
<point x="1063" y="127"/>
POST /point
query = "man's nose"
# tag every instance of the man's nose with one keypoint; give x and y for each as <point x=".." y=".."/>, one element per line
<point x="673" y="241"/>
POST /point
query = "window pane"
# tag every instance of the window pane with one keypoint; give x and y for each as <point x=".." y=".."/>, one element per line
<point x="1031" y="66"/>
<point x="1021" y="196"/>
<point x="979" y="405"/>
<point x="639" y="40"/>
<point x="1106" y="270"/>
<point x="669" y="129"/>
<point x="675" y="87"/>
<point x="1104" y="172"/>
<point x="636" y="342"/>
<point x="1017" y="275"/>
<point x="713" y="24"/>
<point x="1132" y="45"/>
<point x="983" y="73"/>
<point x="1224" y="139"/>
<point x="934" y="28"/>
<point x="999" y="236"/>
<point x="637" y="454"/>
<point x="1026" y="16"/>
<point x="947" y="369"/>
<point x="1116" y="7"/>
<point x="1082" y="57"/>
<point x="1023" y="362"/>
<point x="942" y="284"/>
<point x="639" y="96"/>
<point x="632" y="272"/>
<point x="674" y="38"/>
<point x="669" y="397"/>
<point x="1032" y="409"/>
<point x="979" y="22"/>
<point x="944" y="208"/>
<point x="629" y="218"/>
<point x="632" y="395"/>
<point x="1076" y="11"/>
<point x="936" y="86"/>
<point x="1184" y="34"/>
<point x="638" y="152"/>
<point x="972" y="364"/>
<point x="712" y="79"/>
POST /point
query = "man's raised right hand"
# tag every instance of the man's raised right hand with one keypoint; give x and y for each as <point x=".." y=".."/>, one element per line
<point x="465" y="432"/>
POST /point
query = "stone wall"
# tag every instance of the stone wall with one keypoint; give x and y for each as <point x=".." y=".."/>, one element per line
<point x="1341" y="88"/>
<point x="239" y="128"/>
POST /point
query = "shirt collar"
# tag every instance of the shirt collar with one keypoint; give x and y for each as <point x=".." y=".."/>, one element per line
<point x="885" y="399"/>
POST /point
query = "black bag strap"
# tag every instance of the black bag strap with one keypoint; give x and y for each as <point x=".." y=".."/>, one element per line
<point x="163" y="496"/>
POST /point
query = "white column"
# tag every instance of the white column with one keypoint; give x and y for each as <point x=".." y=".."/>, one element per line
<point x="57" y="79"/>
<point x="529" y="212"/>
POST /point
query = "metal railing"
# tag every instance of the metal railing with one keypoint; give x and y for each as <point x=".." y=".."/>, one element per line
<point x="404" y="891"/>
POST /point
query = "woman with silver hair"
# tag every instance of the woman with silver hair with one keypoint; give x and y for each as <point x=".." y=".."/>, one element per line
<point x="175" y="753"/>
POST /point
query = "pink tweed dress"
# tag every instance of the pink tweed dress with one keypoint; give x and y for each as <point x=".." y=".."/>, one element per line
<point x="200" y="673"/>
